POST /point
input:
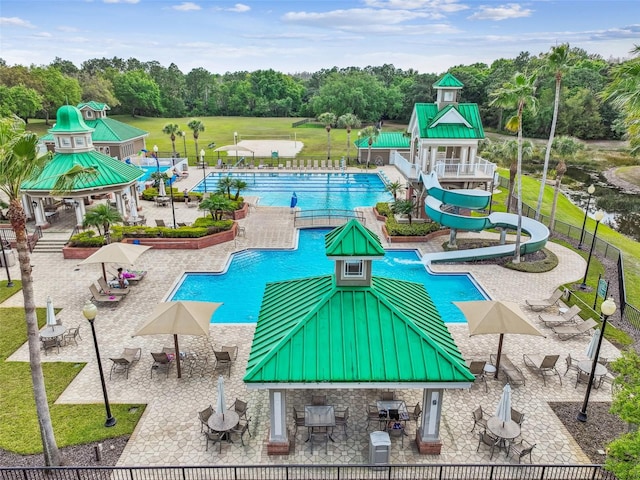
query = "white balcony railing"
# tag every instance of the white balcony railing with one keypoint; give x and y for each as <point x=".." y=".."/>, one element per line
<point x="451" y="169"/>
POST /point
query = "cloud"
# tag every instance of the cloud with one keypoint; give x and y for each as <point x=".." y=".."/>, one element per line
<point x="15" y="22"/>
<point x="502" y="12"/>
<point x="447" y="6"/>
<point x="43" y="35"/>
<point x="186" y="7"/>
<point x="355" y="17"/>
<point x="120" y="1"/>
<point x="64" y="28"/>
<point x="239" y="8"/>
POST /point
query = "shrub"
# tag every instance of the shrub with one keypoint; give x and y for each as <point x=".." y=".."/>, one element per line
<point x="384" y="209"/>
<point x="410" y="230"/>
<point x="200" y="228"/>
<point x="86" y="239"/>
<point x="149" y="193"/>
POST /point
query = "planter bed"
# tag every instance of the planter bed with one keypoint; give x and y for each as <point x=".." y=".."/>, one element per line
<point x="415" y="238"/>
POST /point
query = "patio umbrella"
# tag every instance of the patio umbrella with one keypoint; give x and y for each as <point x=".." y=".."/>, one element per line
<point x="497" y="317"/>
<point x="593" y="344"/>
<point x="123" y="253"/>
<point x="503" y="410"/>
<point x="233" y="148"/>
<point x="179" y="318"/>
<point x="294" y="200"/>
<point x="162" y="192"/>
<point x="220" y="402"/>
<point x="133" y="210"/>
<point x="51" y="313"/>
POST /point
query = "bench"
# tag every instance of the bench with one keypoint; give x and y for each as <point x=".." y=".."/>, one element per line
<point x="514" y="374"/>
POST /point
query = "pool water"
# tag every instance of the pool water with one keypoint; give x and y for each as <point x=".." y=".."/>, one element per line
<point x="314" y="191"/>
<point x="241" y="287"/>
<point x="149" y="170"/>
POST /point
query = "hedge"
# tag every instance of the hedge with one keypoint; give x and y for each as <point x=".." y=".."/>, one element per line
<point x="86" y="239"/>
<point x="409" y="230"/>
<point x="384" y="209"/>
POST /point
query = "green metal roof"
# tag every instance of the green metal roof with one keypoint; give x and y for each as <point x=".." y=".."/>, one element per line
<point x="110" y="172"/>
<point x="386" y="140"/>
<point x="69" y="120"/>
<point x="427" y="114"/>
<point x="353" y="240"/>
<point x="94" y="106"/>
<point x="312" y="331"/>
<point x="448" y="81"/>
<point x="108" y="130"/>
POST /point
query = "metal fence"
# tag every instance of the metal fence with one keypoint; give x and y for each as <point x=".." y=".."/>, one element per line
<point x="7" y="235"/>
<point x="313" y="472"/>
<point x="325" y="218"/>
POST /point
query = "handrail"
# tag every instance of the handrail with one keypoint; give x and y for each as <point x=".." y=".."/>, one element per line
<point x="326" y="217"/>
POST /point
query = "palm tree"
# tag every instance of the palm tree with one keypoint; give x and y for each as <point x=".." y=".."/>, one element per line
<point x="404" y="207"/>
<point x="20" y="161"/>
<point x="196" y="126"/>
<point x="238" y="185"/>
<point x="393" y="188"/>
<point x="519" y="93"/>
<point x="328" y="119"/>
<point x="102" y="216"/>
<point x="561" y="169"/>
<point x="509" y="150"/>
<point x="216" y="205"/>
<point x="172" y="129"/>
<point x="558" y="62"/>
<point x="348" y="121"/>
<point x="371" y="133"/>
<point x="563" y="147"/>
<point x="225" y="184"/>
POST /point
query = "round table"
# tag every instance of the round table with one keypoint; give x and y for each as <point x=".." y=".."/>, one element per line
<point x="223" y="422"/>
<point x="52" y="331"/>
<point x="489" y="369"/>
<point x="585" y="367"/>
<point x="503" y="430"/>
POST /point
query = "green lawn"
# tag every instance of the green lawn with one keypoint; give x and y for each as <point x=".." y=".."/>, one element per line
<point x="72" y="424"/>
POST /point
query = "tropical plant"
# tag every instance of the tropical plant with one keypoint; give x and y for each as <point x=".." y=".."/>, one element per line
<point x="21" y="160"/>
<point x="225" y="184"/>
<point x="558" y="62"/>
<point x="348" y="121"/>
<point x="509" y="152"/>
<point x="393" y="188"/>
<point x="371" y="134"/>
<point x="564" y="148"/>
<point x="519" y="93"/>
<point x="102" y="216"/>
<point x="238" y="185"/>
<point x="327" y="119"/>
<point x="217" y="206"/>
<point x="172" y="129"/>
<point x="404" y="207"/>
<point x="196" y="126"/>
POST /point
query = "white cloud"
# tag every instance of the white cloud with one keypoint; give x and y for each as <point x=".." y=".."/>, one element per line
<point x="64" y="28"/>
<point x="239" y="8"/>
<point x="15" y="22"/>
<point x="43" y="35"/>
<point x="120" y="1"/>
<point x="354" y="17"/>
<point x="186" y="7"/>
<point x="433" y="5"/>
<point x="502" y="12"/>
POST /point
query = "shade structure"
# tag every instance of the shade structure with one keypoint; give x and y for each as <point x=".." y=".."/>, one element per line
<point x="51" y="313"/>
<point x="123" y="253"/>
<point x="236" y="149"/>
<point x="503" y="410"/>
<point x="220" y="401"/>
<point x="179" y="318"/>
<point x="162" y="191"/>
<point x="496" y="317"/>
<point x="593" y="344"/>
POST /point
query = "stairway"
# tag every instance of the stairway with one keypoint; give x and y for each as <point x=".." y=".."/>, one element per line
<point x="51" y="242"/>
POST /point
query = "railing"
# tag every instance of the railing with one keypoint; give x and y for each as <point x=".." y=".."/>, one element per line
<point x="408" y="169"/>
<point x="313" y="472"/>
<point x="9" y="236"/>
<point x="300" y="122"/>
<point x="325" y="218"/>
<point x="480" y="167"/>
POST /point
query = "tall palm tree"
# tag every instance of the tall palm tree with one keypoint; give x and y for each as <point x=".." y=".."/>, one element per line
<point x="371" y="134"/>
<point x="558" y="62"/>
<point x="348" y="121"/>
<point x="172" y="129"/>
<point x="20" y="160"/>
<point x="564" y="148"/>
<point x="509" y="151"/>
<point x="518" y="93"/>
<point x="196" y="126"/>
<point x="328" y="119"/>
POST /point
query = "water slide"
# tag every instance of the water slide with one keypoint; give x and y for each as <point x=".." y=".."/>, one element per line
<point x="475" y="200"/>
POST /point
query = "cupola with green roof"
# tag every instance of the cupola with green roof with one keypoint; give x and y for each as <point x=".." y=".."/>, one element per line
<point x="70" y="133"/>
<point x="447" y="89"/>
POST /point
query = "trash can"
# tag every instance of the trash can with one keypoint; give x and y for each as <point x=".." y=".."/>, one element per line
<point x="379" y="448"/>
<point x="10" y="256"/>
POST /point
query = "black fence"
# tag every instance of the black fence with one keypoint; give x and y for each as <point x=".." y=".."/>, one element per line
<point x="313" y="472"/>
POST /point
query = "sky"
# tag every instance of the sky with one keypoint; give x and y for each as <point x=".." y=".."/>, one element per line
<point x="428" y="36"/>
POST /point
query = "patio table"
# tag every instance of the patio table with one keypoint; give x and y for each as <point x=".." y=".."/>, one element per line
<point x="505" y="431"/>
<point x="585" y="367"/>
<point x="223" y="422"/>
<point x="53" y="331"/>
<point x="319" y="416"/>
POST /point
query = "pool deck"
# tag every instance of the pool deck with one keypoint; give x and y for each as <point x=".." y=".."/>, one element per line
<point x="169" y="430"/>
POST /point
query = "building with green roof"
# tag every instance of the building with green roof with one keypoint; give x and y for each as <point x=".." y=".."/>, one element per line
<point x="385" y="145"/>
<point x="352" y="330"/>
<point x="109" y="136"/>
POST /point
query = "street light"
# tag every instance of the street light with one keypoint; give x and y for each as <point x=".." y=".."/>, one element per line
<point x="607" y="308"/>
<point x="328" y="129"/>
<point x="183" y="134"/>
<point x="204" y="176"/>
<point x="235" y="142"/>
<point x="6" y="263"/>
<point x="590" y="191"/>
<point x="155" y="155"/>
<point x="348" y="143"/>
<point x="90" y="311"/>
<point x="598" y="216"/>
<point x="173" y="210"/>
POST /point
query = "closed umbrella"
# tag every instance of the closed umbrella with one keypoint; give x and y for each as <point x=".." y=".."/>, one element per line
<point x="220" y="401"/>
<point x="133" y="211"/>
<point x="162" y="192"/>
<point x="179" y="318"/>
<point x="51" y="313"/>
<point x="503" y="410"/>
<point x="593" y="344"/>
<point x="123" y="253"/>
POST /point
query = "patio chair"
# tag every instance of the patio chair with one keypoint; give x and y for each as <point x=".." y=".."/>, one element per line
<point x="319" y="435"/>
<point x="107" y="290"/>
<point x="124" y="361"/>
<point x="71" y="335"/>
<point x="204" y="415"/>
<point x="572" y="364"/>
<point x="49" y="344"/>
<point x="517" y="416"/>
<point x="240" y="408"/>
<point x="521" y="449"/>
<point x="540" y="304"/>
<point x="318" y="400"/>
<point x="388" y="396"/>
<point x="214" y="437"/>
<point x="476" y="367"/>
<point x="160" y="223"/>
<point x="478" y="418"/>
<point x="342" y="420"/>
<point x="543" y="366"/>
<point x="323" y="164"/>
<point x="565" y="332"/>
<point x="514" y="375"/>
<point x="488" y="439"/>
<point x="563" y="319"/>
<point x="240" y="429"/>
<point x="298" y="420"/>
<point x="223" y="360"/>
<point x="581" y="377"/>
<point x="161" y="361"/>
<point x="414" y="413"/>
<point x="373" y="415"/>
<point x="96" y="296"/>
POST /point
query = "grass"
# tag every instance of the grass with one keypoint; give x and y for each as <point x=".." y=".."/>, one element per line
<point x="72" y="424"/>
<point x="7" y="292"/>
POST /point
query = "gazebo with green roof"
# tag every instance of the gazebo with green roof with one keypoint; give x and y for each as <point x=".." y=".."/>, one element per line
<point x="352" y="330"/>
<point x="74" y="147"/>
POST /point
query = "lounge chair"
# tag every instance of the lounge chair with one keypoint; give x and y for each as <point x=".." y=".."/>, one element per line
<point x="541" y="303"/>
<point x="161" y="361"/>
<point x="323" y="164"/>
<point x="477" y="369"/>
<point x="160" y="223"/>
<point x="225" y="357"/>
<point x="564" y="318"/>
<point x="565" y="332"/>
<point x="514" y="374"/>
<point x="543" y="366"/>
<point x="107" y="290"/>
<point x="122" y="363"/>
<point x="100" y="297"/>
<point x="315" y="165"/>
<point x="336" y="164"/>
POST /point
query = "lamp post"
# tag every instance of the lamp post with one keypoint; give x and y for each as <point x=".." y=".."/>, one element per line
<point x="598" y="216"/>
<point x="328" y="129"/>
<point x="155" y="155"/>
<point x="348" y="144"/>
<point x="359" y="136"/>
<point x="590" y="191"/>
<point x="173" y="210"/>
<point x="235" y="143"/>
<point x="607" y="308"/>
<point x="6" y="264"/>
<point x="90" y="311"/>
<point x="183" y="134"/>
<point x="204" y="176"/>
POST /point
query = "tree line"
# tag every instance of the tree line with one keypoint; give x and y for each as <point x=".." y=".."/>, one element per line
<point x="371" y="93"/>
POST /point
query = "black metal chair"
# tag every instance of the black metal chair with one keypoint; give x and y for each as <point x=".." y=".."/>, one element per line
<point x="521" y="449"/>
<point x="486" y="438"/>
<point x="478" y="418"/>
<point x="342" y="420"/>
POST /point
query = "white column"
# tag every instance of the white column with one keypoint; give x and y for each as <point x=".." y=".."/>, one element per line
<point x="41" y="220"/>
<point x="80" y="210"/>
<point x="119" y="203"/>
<point x="464" y="152"/>
<point x="26" y="206"/>
<point x="278" y="416"/>
<point x="432" y="160"/>
<point x="430" y="425"/>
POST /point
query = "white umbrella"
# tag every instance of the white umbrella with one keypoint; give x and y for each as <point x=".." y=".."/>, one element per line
<point x="593" y="344"/>
<point x="162" y="192"/>
<point x="134" y="210"/>
<point x="503" y="411"/>
<point x="125" y="253"/>
<point x="220" y="402"/>
<point x="51" y="314"/>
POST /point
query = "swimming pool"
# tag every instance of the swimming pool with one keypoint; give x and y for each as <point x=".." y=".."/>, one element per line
<point x="149" y="170"/>
<point x="241" y="287"/>
<point x="314" y="191"/>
